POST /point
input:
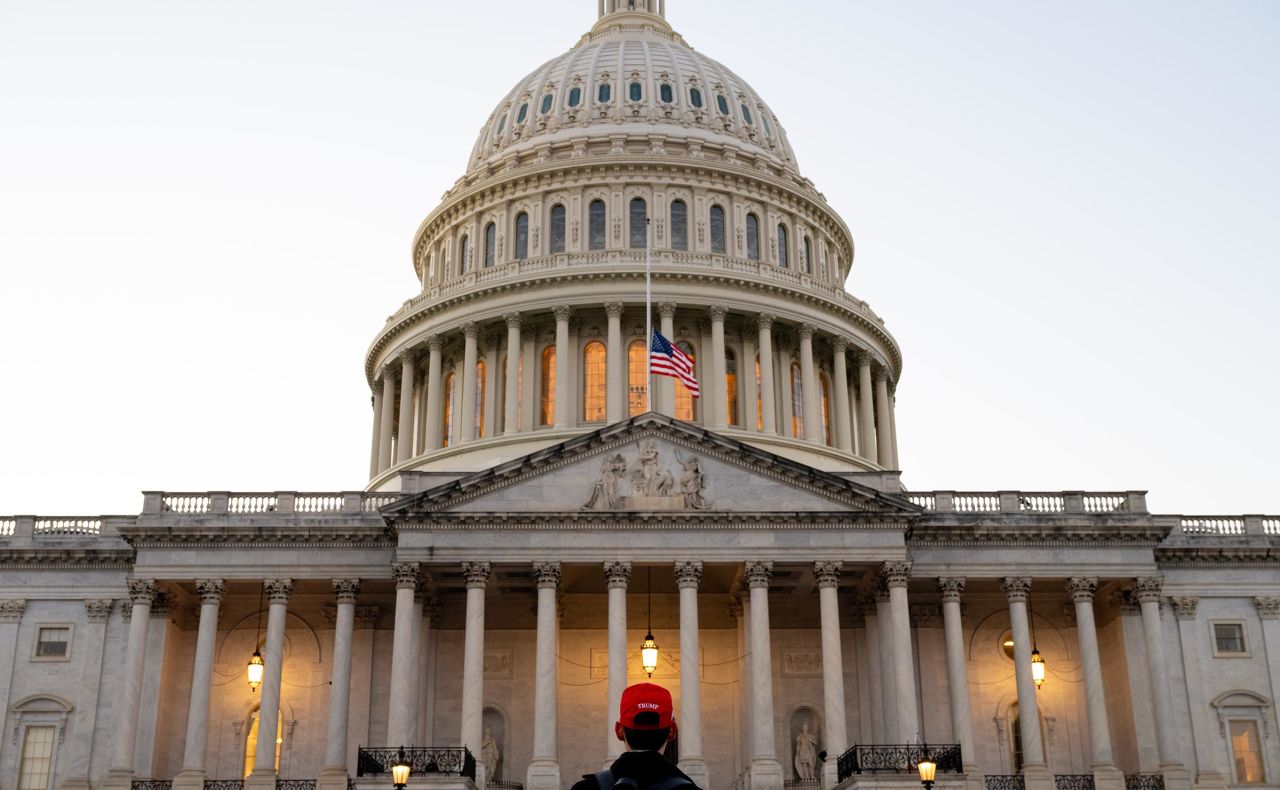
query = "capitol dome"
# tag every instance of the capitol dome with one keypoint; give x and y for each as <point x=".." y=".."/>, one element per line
<point x="630" y="150"/>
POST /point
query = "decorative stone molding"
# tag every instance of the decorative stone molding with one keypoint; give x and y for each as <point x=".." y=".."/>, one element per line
<point x="951" y="588"/>
<point x="896" y="573"/>
<point x="688" y="573"/>
<point x="278" y="590"/>
<point x="617" y="573"/>
<point x="1016" y="588"/>
<point x="839" y="345"/>
<point x="805" y="332"/>
<point x="547" y="575"/>
<point x="827" y="573"/>
<point x="562" y="312"/>
<point x="211" y="590"/>
<point x="717" y="313"/>
<point x="409" y="358"/>
<point x="1147" y="588"/>
<point x="667" y="309"/>
<point x="11" y="610"/>
<point x="98" y="610"/>
<point x="1082" y="588"/>
<point x="1268" y="606"/>
<point x="924" y="615"/>
<point x="435" y="343"/>
<point x="141" y="590"/>
<point x="470" y="330"/>
<point x="346" y="590"/>
<point x="764" y="321"/>
<point x="1184" y="606"/>
<point x="513" y="320"/>
<point x="477" y="573"/>
<point x="614" y="309"/>
<point x="406" y="574"/>
<point x="367" y="617"/>
<point x="758" y="574"/>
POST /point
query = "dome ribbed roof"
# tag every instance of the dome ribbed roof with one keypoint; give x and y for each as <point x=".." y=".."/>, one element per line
<point x="562" y="99"/>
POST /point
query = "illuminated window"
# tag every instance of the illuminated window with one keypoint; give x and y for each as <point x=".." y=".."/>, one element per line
<point x="717" y="230"/>
<point x="684" y="401"/>
<point x="826" y="408"/>
<point x="557" y="228"/>
<point x="753" y="237"/>
<point x="594" y="377"/>
<point x="37" y="758"/>
<point x="797" y="401"/>
<point x="731" y="386"/>
<point x="679" y="225"/>
<point x="596" y="225"/>
<point x="759" y="398"/>
<point x="784" y="252"/>
<point x="522" y="236"/>
<point x="637" y="379"/>
<point x="490" y="244"/>
<point x="1246" y="752"/>
<point x="548" y="414"/>
<point x="480" y="384"/>
<point x="638" y="223"/>
<point x="464" y="255"/>
<point x="446" y="430"/>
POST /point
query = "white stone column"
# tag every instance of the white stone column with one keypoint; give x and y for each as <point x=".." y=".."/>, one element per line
<point x="1209" y="773"/>
<point x="766" y="770"/>
<point x="408" y="372"/>
<point x="866" y="415"/>
<point x="716" y="378"/>
<point x="688" y="576"/>
<point x="616" y="573"/>
<point x="664" y="387"/>
<point x="843" y="433"/>
<point x="768" y="407"/>
<point x="884" y="652"/>
<point x="193" y="767"/>
<point x="747" y="383"/>
<point x="264" y="767"/>
<point x="477" y="575"/>
<point x="896" y="577"/>
<point x="1034" y="769"/>
<point x="893" y="426"/>
<point x="333" y="775"/>
<point x="385" y="424"/>
<point x="377" y="434"/>
<point x="142" y="592"/>
<point x="563" y="392"/>
<point x="617" y="378"/>
<point x="952" y="588"/>
<point x="511" y="410"/>
<point x="809" y="387"/>
<point x="400" y="704"/>
<point x="884" y="433"/>
<point x="435" y="393"/>
<point x="544" y="768"/>
<point x="470" y="350"/>
<point x="837" y="740"/>
<point x="1106" y="775"/>
<point x="1147" y="592"/>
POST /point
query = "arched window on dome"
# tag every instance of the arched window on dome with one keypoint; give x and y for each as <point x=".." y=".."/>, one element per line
<point x="797" y="402"/>
<point x="764" y="119"/>
<point x="825" y="407"/>
<point x="746" y="115"/>
<point x="502" y="124"/>
<point x="636" y="91"/>
<point x="679" y="225"/>
<point x="547" y="101"/>
<point x="638" y="223"/>
<point x="718" y="244"/>
<point x="547" y="412"/>
<point x="666" y="94"/>
<point x="464" y="254"/>
<point x="446" y="417"/>
<point x="807" y="263"/>
<point x="490" y="244"/>
<point x="637" y="379"/>
<point x="753" y="237"/>
<point x="575" y="96"/>
<point x="722" y="104"/>
<point x="597" y="225"/>
<point x="731" y="387"/>
<point x="759" y="398"/>
<point x="481" y="380"/>
<point x="695" y="98"/>
<point x="522" y="236"/>
<point x="684" y="400"/>
<point x="594" y="379"/>
<point x="604" y="93"/>
<point x="784" y="250"/>
<point x="557" y="228"/>
<point x="523" y="113"/>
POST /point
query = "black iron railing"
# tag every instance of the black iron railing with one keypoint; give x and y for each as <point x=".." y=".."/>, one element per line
<point x="224" y="784"/>
<point x="897" y="759"/>
<point x="1073" y="782"/>
<point x="152" y="784"/>
<point x="802" y="784"/>
<point x="503" y="784"/>
<point x="295" y="784"/>
<point x="1144" y="782"/>
<point x="1005" y="782"/>
<point x="451" y="761"/>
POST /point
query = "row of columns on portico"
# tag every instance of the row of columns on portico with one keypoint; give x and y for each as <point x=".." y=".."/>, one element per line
<point x="862" y="410"/>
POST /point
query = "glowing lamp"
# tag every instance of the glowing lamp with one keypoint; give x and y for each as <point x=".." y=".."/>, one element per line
<point x="1037" y="668"/>
<point x="400" y="771"/>
<point x="927" y="768"/>
<point x="255" y="669"/>
<point x="649" y="654"/>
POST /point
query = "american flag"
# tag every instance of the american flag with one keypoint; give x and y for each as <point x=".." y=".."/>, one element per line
<point x="666" y="359"/>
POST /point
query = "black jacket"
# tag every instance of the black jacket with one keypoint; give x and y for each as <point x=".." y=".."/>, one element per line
<point x="647" y="768"/>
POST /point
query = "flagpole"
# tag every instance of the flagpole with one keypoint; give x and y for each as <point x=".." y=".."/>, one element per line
<point x="648" y="320"/>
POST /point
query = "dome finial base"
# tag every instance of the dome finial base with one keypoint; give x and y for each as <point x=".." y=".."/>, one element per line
<point x="606" y="7"/>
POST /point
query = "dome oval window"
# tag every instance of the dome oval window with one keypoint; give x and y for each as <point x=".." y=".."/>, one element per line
<point x="523" y="113"/>
<point x="746" y="115"/>
<point x="722" y="104"/>
<point x="695" y="97"/>
<point x="502" y="124"/>
<point x="666" y="95"/>
<point x="546" y="104"/>
<point x="637" y="91"/>
<point x="575" y="97"/>
<point x="605" y="93"/>
<point x="764" y="118"/>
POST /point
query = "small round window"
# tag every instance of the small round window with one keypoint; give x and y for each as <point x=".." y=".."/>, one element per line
<point x="746" y="114"/>
<point x="605" y="93"/>
<point x="722" y="104"/>
<point x="637" y="91"/>
<point x="524" y="113"/>
<point x="546" y="104"/>
<point x="666" y="95"/>
<point x="695" y="97"/>
<point x="575" y="97"/>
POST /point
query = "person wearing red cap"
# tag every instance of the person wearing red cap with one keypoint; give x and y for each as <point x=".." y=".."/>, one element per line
<point x="645" y="725"/>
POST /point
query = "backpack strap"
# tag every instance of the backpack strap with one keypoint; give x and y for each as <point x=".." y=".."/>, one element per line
<point x="672" y="783"/>
<point x="605" y="779"/>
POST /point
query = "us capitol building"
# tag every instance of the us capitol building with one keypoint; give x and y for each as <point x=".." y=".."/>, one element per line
<point x="528" y="521"/>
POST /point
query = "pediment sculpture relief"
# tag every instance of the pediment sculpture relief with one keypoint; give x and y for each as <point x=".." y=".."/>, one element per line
<point x="647" y="482"/>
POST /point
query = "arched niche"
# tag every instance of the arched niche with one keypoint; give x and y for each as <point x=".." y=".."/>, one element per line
<point x="495" y="737"/>
<point x="805" y="739"/>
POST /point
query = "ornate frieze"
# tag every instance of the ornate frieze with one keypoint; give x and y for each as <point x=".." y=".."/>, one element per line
<point x="477" y="573"/>
<point x="758" y="573"/>
<point x="98" y="610"/>
<point x="827" y="573"/>
<point x="1016" y="588"/>
<point x="546" y="575"/>
<point x="951" y="588"/>
<point x="688" y="573"/>
<point x="211" y="590"/>
<point x="278" y="590"/>
<point x="647" y="483"/>
<point x="1082" y="588"/>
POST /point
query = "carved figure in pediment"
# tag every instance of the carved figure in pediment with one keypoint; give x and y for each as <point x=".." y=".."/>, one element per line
<point x="692" y="483"/>
<point x="648" y="478"/>
<point x="605" y="494"/>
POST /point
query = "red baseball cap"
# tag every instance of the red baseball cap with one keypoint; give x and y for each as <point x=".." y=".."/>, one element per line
<point x="646" y="698"/>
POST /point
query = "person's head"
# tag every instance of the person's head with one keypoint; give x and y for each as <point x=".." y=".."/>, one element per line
<point x="644" y="718"/>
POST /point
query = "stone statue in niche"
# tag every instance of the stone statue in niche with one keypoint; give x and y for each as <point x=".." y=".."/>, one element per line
<point x="647" y="483"/>
<point x="490" y="753"/>
<point x="806" y="759"/>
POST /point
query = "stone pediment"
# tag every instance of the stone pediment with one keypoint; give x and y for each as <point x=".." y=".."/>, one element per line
<point x="651" y="464"/>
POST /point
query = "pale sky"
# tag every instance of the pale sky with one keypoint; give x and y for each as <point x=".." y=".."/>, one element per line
<point x="1066" y="213"/>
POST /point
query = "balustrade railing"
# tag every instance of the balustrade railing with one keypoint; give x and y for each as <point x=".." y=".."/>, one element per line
<point x="897" y="758"/>
<point x="7" y="526"/>
<point x="1042" y="503"/>
<point x="1144" y="782"/>
<point x="224" y="784"/>
<point x="318" y="503"/>
<point x="152" y="784"/>
<point x="187" y="503"/>
<point x="1073" y="782"/>
<point x="926" y="501"/>
<point x="295" y="784"/>
<point x="451" y="761"/>
<point x="373" y="502"/>
<point x="1270" y="526"/>
<point x="1105" y="503"/>
<point x="1212" y="525"/>
<point x="1016" y="502"/>
<point x="251" y="503"/>
<point x="67" y="526"/>
<point x="976" y="503"/>
<point x="802" y="784"/>
<point x="1005" y="782"/>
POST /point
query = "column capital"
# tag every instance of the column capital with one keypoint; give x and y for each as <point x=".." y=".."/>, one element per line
<point x="1268" y="606"/>
<point x="163" y="605"/>
<point x="1184" y="606"/>
<point x="278" y="590"/>
<point x="424" y="590"/>
<point x="514" y="320"/>
<point x="97" y="609"/>
<point x="688" y="573"/>
<point x="879" y="374"/>
<point x="614" y="309"/>
<point x="477" y="573"/>
<point x="951" y="588"/>
<point x="547" y="575"/>
<point x="562" y="312"/>
<point x="717" y="313"/>
<point x="406" y="574"/>
<point x="211" y="590"/>
<point x="758" y="574"/>
<point x="408" y="357"/>
<point x="1017" y="588"/>
<point x="764" y="321"/>
<point x="435" y="343"/>
<point x="471" y="330"/>
<point x="142" y="590"/>
<point x="617" y="573"/>
<point x="880" y="591"/>
<point x="367" y="617"/>
<point x="827" y="573"/>
<point x="839" y="344"/>
<point x="1147" y="588"/>
<point x="896" y="573"/>
<point x="1082" y="588"/>
<point x="667" y="309"/>
<point x="346" y="590"/>
<point x="11" y="610"/>
<point x="864" y="360"/>
<point x="805" y="332"/>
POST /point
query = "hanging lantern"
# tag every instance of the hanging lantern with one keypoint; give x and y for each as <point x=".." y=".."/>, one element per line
<point x="1037" y="668"/>
<point x="255" y="671"/>
<point x="649" y="654"/>
<point x="400" y="771"/>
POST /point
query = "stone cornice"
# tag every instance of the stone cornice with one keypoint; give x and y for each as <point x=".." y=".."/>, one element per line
<point x="704" y="521"/>
<point x="54" y="558"/>
<point x="373" y="534"/>
<point x="993" y="530"/>
<point x="1236" y="555"/>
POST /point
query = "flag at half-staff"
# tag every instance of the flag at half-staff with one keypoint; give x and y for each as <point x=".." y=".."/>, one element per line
<point x="666" y="359"/>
